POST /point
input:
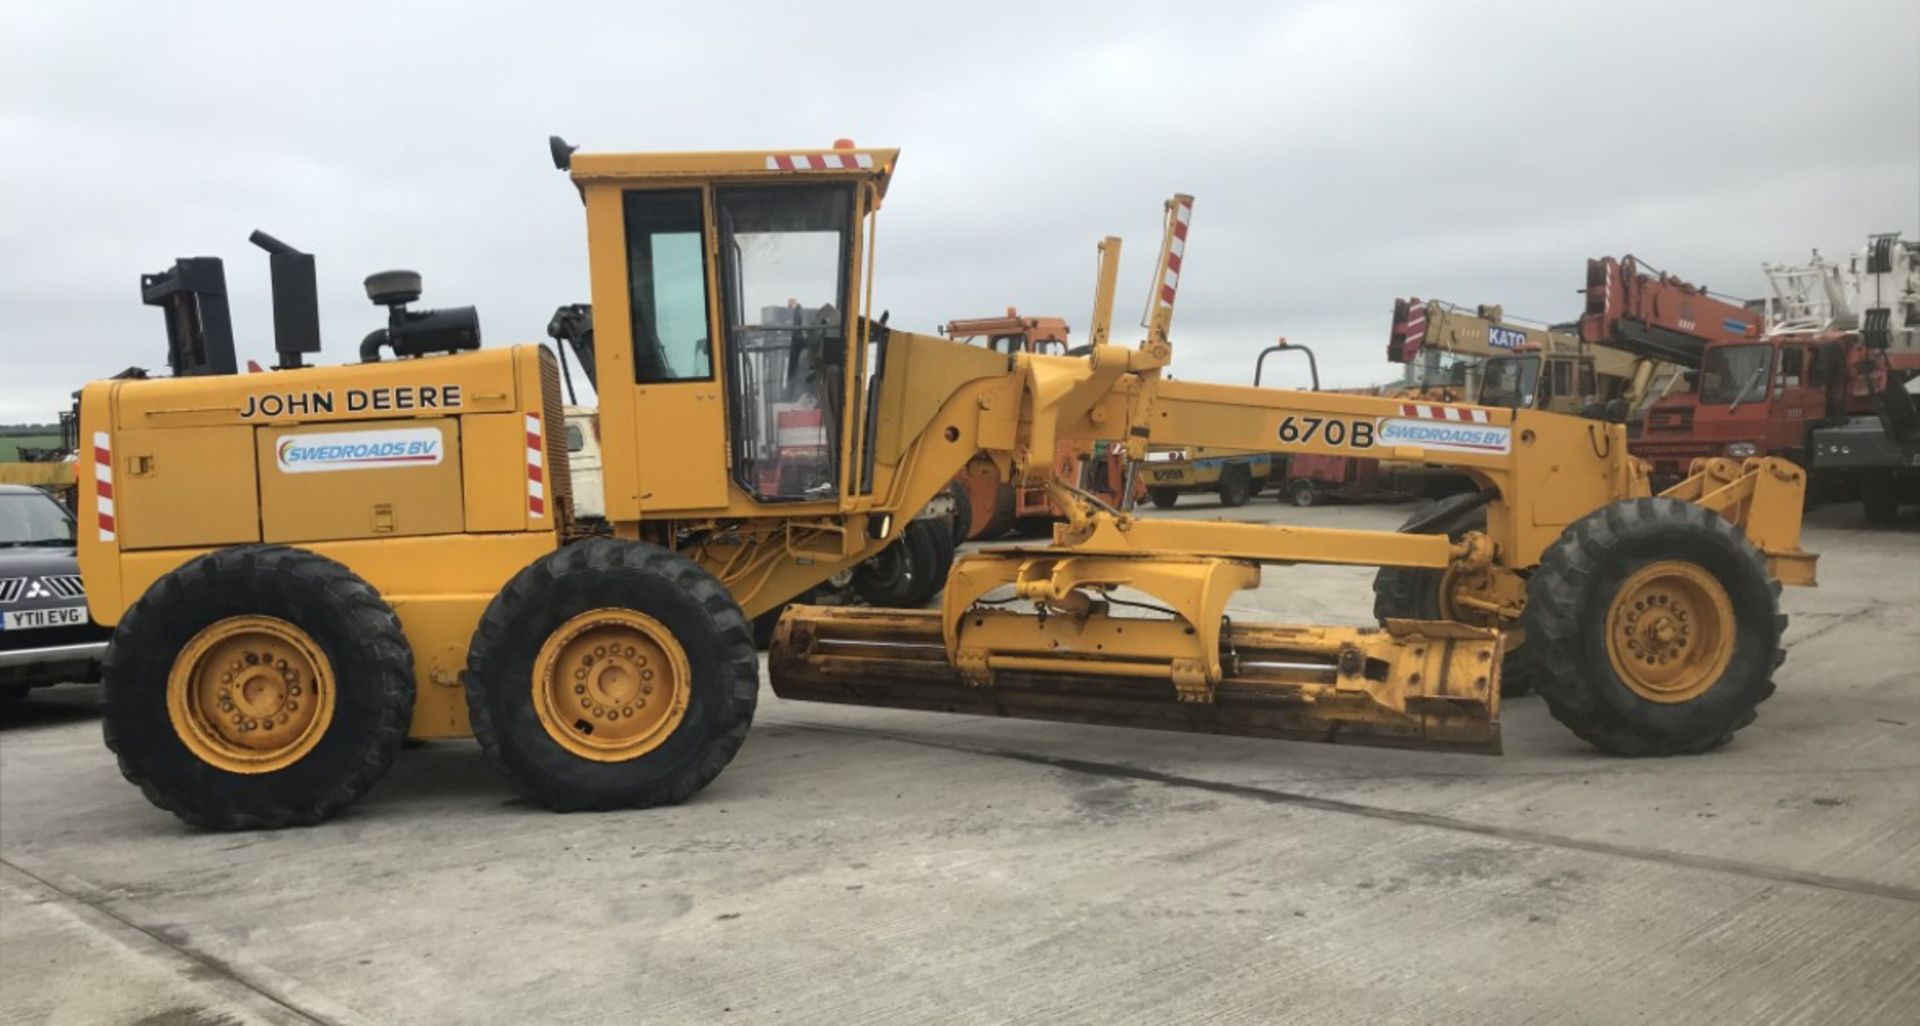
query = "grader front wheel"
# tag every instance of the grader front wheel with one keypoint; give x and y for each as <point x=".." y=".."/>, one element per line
<point x="612" y="674"/>
<point x="1655" y="628"/>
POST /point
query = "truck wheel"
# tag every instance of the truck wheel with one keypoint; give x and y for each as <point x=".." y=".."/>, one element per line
<point x="1236" y="486"/>
<point x="257" y="687"/>
<point x="1656" y="628"/>
<point x="931" y="576"/>
<point x="896" y="576"/>
<point x="1881" y="501"/>
<point x="1004" y="505"/>
<point x="1163" y="498"/>
<point x="1413" y="593"/>
<point x="962" y="521"/>
<point x="611" y="674"/>
<point x="1302" y="492"/>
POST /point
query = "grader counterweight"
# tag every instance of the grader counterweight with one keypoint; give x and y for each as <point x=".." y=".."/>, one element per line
<point x="305" y="566"/>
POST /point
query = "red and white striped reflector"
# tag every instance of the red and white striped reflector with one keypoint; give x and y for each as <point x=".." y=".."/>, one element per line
<point x="1414" y="332"/>
<point x="1460" y="414"/>
<point x="536" y="467"/>
<point x="1176" y="252"/>
<point x="818" y="161"/>
<point x="103" y="484"/>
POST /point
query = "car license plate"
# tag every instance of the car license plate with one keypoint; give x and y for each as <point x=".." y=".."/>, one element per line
<point x="29" y="619"/>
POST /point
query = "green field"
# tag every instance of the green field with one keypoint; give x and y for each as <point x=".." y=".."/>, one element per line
<point x="11" y="443"/>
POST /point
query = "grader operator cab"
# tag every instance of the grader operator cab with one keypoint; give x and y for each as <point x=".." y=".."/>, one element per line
<point x="308" y="565"/>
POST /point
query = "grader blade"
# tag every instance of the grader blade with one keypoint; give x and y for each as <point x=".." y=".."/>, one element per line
<point x="1411" y="684"/>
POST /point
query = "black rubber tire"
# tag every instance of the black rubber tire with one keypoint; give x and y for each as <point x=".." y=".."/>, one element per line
<point x="930" y="577"/>
<point x="603" y="573"/>
<point x="1567" y="602"/>
<point x="1004" y="504"/>
<point x="1163" y="498"/>
<point x="1302" y="492"/>
<point x="891" y="578"/>
<point x="1236" y="485"/>
<point x="355" y="629"/>
<point x="1880" y="500"/>
<point x="1412" y="593"/>
<point x="15" y="693"/>
<point x="962" y="520"/>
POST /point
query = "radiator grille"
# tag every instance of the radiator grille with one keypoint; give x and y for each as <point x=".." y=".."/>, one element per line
<point x="1680" y="419"/>
<point x="66" y="586"/>
<point x="559" y="477"/>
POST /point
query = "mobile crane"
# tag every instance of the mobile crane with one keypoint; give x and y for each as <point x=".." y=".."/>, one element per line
<point x="1832" y="342"/>
<point x="1499" y="361"/>
<point x="306" y="565"/>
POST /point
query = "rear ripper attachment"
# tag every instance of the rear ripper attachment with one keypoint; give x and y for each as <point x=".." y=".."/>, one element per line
<point x="1171" y="661"/>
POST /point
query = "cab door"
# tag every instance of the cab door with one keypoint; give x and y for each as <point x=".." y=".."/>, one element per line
<point x="1799" y="398"/>
<point x="660" y="385"/>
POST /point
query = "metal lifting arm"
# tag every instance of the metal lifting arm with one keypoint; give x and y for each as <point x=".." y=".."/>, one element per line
<point x="1158" y="319"/>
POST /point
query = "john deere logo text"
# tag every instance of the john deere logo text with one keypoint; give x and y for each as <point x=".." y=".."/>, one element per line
<point x="359" y="450"/>
<point x="352" y="400"/>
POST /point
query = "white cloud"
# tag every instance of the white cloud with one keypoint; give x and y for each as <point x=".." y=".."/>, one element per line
<point x="1341" y="153"/>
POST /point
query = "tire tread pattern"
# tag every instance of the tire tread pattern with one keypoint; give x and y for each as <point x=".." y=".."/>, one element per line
<point x="533" y="586"/>
<point x="1558" y="608"/>
<point x="250" y="572"/>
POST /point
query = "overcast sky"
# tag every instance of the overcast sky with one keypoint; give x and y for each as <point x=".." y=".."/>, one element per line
<point x="1342" y="153"/>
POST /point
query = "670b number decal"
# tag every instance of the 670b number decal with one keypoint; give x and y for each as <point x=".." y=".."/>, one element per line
<point x="1328" y="430"/>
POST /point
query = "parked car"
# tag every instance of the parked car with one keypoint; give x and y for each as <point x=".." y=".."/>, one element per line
<point x="46" y="634"/>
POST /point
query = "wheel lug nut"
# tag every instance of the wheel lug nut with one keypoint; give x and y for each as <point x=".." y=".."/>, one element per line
<point x="579" y="689"/>
<point x="599" y="651"/>
<point x="630" y="652"/>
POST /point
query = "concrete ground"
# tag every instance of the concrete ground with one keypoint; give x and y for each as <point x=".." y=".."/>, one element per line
<point x="864" y="866"/>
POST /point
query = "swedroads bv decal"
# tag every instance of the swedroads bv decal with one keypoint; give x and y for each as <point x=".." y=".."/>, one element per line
<point x="359" y="450"/>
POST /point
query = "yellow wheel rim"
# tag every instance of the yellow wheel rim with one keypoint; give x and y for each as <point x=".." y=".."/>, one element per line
<point x="250" y="694"/>
<point x="1670" y="631"/>
<point x="611" y="684"/>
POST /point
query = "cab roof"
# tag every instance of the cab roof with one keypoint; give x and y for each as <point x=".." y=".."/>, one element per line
<point x="829" y="162"/>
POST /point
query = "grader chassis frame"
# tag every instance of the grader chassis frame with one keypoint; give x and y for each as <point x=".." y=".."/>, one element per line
<point x="285" y="613"/>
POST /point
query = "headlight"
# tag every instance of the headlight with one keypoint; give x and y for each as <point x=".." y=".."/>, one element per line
<point x="1740" y="450"/>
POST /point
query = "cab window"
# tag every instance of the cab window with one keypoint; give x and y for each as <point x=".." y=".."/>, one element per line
<point x="1788" y="373"/>
<point x="667" y="278"/>
<point x="1562" y="379"/>
<point x="784" y="261"/>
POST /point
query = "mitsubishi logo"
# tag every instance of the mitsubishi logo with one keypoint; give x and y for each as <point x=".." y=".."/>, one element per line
<point x="38" y="589"/>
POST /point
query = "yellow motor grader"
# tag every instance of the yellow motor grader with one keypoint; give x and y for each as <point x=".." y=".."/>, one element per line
<point x="308" y="565"/>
